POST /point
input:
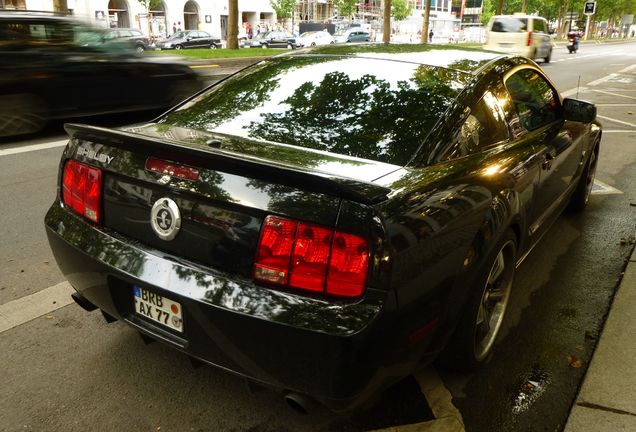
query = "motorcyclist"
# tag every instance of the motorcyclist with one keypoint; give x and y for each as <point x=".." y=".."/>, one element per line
<point x="575" y="36"/>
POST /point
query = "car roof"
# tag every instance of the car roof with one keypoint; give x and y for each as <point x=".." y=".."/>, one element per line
<point x="23" y="15"/>
<point x="471" y="61"/>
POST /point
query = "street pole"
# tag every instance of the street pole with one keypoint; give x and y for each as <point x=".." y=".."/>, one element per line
<point x="587" y="27"/>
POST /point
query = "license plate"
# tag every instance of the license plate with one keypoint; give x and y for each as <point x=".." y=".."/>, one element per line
<point x="158" y="308"/>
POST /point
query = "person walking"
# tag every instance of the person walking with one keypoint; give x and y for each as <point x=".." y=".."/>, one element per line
<point x="430" y="36"/>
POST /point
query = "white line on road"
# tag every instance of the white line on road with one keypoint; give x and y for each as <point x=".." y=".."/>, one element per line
<point x="34" y="147"/>
<point x="616" y="121"/>
<point x="606" y="131"/>
<point x="602" y="80"/>
<point x="627" y="69"/>
<point x="25" y="309"/>
<point x="615" y="104"/>
<point x="614" y="94"/>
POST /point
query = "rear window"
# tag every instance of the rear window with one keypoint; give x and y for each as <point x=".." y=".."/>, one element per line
<point x="360" y="107"/>
<point x="509" y="25"/>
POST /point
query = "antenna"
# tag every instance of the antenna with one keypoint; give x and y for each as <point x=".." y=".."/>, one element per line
<point x="577" y="87"/>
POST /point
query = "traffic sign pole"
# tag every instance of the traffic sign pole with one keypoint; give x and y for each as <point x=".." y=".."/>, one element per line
<point x="587" y="27"/>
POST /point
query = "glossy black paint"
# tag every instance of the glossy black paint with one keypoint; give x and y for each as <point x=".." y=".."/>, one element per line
<point x="189" y="39"/>
<point x="430" y="220"/>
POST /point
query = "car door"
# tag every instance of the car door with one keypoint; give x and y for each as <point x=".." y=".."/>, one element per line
<point x="558" y="143"/>
<point x="541" y="37"/>
<point x="190" y="40"/>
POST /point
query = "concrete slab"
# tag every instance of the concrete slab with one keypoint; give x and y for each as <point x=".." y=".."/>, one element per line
<point x="593" y="420"/>
<point x="612" y="374"/>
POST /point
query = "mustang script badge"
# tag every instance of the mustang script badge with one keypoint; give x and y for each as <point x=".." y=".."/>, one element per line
<point x="165" y="219"/>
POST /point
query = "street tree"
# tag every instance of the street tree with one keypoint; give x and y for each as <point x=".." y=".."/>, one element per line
<point x="427" y="15"/>
<point x="386" y="22"/>
<point x="345" y="8"/>
<point x="148" y="6"/>
<point x="487" y="12"/>
<point x="232" y="24"/>
<point x="401" y="9"/>
<point x="283" y="8"/>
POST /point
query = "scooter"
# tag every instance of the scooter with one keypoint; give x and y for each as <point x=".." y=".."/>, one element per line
<point x="573" y="43"/>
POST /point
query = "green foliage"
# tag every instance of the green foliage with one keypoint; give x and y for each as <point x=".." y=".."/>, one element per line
<point x="150" y="4"/>
<point x="345" y="8"/>
<point x="401" y="9"/>
<point x="487" y="12"/>
<point x="283" y="8"/>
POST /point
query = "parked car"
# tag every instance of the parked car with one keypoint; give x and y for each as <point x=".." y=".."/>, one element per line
<point x="351" y="34"/>
<point x="189" y="39"/>
<point x="324" y="224"/>
<point x="134" y="36"/>
<point x="273" y="39"/>
<point x="53" y="67"/>
<point x="314" y="38"/>
<point x="525" y="35"/>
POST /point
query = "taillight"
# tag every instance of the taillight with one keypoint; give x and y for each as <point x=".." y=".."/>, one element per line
<point x="82" y="189"/>
<point x="529" y="39"/>
<point x="311" y="257"/>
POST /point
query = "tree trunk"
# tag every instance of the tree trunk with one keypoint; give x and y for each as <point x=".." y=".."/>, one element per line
<point x="500" y="6"/>
<point x="386" y="31"/>
<point x="425" y="19"/>
<point x="232" y="24"/>
<point x="523" y="6"/>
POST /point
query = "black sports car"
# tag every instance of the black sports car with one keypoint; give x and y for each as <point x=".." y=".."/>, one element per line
<point x="190" y="39"/>
<point x="54" y="67"/>
<point x="323" y="222"/>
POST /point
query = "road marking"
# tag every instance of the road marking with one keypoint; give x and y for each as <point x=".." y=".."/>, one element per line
<point x="573" y="91"/>
<point x="616" y="121"/>
<point x="606" y="131"/>
<point x="600" y="188"/>
<point x="615" y="104"/>
<point x="447" y="417"/>
<point x="614" y="94"/>
<point x="203" y="66"/>
<point x="34" y="147"/>
<point x="602" y="80"/>
<point x="627" y="69"/>
<point x="25" y="309"/>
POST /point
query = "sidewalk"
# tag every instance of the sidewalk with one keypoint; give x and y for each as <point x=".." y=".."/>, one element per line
<point x="607" y="399"/>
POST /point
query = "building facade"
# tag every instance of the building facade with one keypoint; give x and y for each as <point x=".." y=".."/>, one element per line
<point x="163" y="19"/>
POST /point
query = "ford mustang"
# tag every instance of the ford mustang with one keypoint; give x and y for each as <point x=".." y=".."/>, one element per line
<point x="324" y="221"/>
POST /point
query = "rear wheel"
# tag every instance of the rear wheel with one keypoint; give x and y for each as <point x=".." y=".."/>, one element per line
<point x="548" y="57"/>
<point x="290" y="46"/>
<point x="479" y="326"/>
<point x="140" y="49"/>
<point x="265" y="46"/>
<point x="213" y="46"/>
<point x="313" y="44"/>
<point x="581" y="194"/>
<point x="178" y="47"/>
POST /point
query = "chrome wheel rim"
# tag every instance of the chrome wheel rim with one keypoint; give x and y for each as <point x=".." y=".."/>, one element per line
<point x="494" y="300"/>
<point x="591" y="173"/>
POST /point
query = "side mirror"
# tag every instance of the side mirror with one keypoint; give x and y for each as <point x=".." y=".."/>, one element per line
<point x="579" y="111"/>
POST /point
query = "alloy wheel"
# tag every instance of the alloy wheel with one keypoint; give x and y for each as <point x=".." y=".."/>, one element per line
<point x="494" y="300"/>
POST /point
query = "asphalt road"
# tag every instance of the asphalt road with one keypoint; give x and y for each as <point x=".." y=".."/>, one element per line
<point x="68" y="370"/>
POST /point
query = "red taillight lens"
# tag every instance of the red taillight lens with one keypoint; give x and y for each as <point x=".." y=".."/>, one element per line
<point x="348" y="265"/>
<point x="311" y="257"/>
<point x="82" y="189"/>
<point x="274" y="250"/>
<point x="309" y="260"/>
<point x="529" y="39"/>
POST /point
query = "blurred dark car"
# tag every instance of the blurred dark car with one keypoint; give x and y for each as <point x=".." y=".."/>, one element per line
<point x="325" y="221"/>
<point x="189" y="39"/>
<point x="54" y="67"/>
<point x="273" y="39"/>
<point x="135" y="37"/>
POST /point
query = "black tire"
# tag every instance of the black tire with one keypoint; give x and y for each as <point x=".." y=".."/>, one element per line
<point x="474" y="338"/>
<point x="178" y="47"/>
<point x="213" y="46"/>
<point x="548" y="57"/>
<point x="265" y="46"/>
<point x="313" y="44"/>
<point x="140" y="49"/>
<point x="581" y="194"/>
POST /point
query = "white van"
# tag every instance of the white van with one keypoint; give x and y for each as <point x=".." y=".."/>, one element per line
<point x="526" y="35"/>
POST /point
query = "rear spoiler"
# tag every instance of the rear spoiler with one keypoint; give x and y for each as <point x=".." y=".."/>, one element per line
<point x="209" y="157"/>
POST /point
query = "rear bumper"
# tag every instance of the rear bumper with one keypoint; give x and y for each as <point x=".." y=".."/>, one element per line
<point x="337" y="353"/>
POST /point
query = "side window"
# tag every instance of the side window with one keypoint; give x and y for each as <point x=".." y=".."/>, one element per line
<point x="536" y="102"/>
<point x="484" y="126"/>
<point x="539" y="26"/>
